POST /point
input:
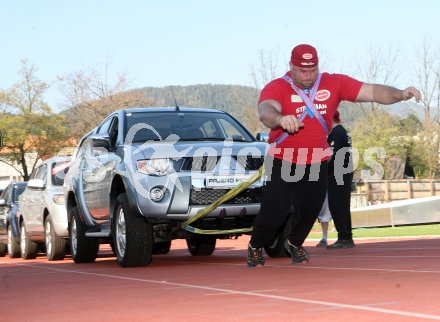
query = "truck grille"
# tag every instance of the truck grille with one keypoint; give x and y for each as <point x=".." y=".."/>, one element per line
<point x="208" y="163"/>
<point x="205" y="163"/>
<point x="251" y="163"/>
<point x="208" y="196"/>
<point x="224" y="223"/>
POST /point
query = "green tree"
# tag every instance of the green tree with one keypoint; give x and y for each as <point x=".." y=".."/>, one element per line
<point x="410" y="125"/>
<point x="425" y="151"/>
<point x="380" y="129"/>
<point x="30" y="130"/>
<point x="416" y="155"/>
<point x="427" y="72"/>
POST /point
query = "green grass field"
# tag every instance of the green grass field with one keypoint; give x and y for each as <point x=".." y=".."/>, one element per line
<point x="418" y="230"/>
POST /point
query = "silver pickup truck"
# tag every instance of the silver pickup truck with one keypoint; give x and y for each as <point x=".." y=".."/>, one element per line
<point x="142" y="172"/>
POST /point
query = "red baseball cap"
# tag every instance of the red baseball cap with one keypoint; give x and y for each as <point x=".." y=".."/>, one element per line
<point x="336" y="117"/>
<point x="304" y="56"/>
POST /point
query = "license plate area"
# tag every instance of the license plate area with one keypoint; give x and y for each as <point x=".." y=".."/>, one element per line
<point x="227" y="181"/>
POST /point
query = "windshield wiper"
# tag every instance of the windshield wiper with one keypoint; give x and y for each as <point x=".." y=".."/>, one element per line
<point x="202" y="139"/>
<point x="240" y="140"/>
<point x="146" y="140"/>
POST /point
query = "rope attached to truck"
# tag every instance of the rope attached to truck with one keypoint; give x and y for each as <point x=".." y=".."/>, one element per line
<point x="227" y="196"/>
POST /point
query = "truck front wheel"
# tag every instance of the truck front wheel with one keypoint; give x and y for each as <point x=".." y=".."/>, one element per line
<point x="84" y="249"/>
<point x="132" y="235"/>
<point x="201" y="245"/>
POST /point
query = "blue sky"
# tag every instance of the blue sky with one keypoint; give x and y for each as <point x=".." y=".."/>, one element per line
<point x="167" y="42"/>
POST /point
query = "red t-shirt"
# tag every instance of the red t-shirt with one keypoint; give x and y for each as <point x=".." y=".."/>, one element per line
<point x="309" y="144"/>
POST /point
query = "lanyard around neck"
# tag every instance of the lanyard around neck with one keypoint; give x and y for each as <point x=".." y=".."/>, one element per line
<point x="310" y="107"/>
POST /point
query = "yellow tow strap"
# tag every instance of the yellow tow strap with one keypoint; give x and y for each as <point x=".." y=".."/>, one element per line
<point x="227" y="196"/>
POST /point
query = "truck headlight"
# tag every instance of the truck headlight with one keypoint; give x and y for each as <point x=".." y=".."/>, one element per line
<point x="156" y="167"/>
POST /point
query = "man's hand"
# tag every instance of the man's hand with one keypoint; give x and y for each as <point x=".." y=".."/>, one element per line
<point x="270" y="114"/>
<point x="289" y="123"/>
<point x="411" y="92"/>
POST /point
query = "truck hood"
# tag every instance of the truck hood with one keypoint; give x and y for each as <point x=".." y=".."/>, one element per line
<point x="178" y="150"/>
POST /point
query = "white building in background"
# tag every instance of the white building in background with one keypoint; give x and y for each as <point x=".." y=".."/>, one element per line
<point x="9" y="173"/>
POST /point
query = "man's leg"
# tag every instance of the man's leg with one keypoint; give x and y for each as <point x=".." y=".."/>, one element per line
<point x="323" y="242"/>
<point x="275" y="205"/>
<point x="324" y="219"/>
<point x="308" y="200"/>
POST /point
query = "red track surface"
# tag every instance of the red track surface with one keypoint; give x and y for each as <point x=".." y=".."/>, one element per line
<point x="379" y="280"/>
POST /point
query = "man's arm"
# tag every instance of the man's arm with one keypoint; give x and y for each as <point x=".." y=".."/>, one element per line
<point x="270" y="115"/>
<point x="384" y="94"/>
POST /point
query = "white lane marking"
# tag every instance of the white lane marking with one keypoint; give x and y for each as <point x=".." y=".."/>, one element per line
<point x="306" y="266"/>
<point x="377" y="256"/>
<point x="381" y="249"/>
<point x="180" y="287"/>
<point x="250" y="293"/>
<point x="366" y="305"/>
<point x="364" y="250"/>
<point x="228" y="293"/>
<point x="369" y="269"/>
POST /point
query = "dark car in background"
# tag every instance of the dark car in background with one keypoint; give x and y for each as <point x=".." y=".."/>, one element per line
<point x="143" y="172"/>
<point x="9" y="225"/>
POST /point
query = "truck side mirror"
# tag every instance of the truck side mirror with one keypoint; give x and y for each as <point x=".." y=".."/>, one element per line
<point x="262" y="136"/>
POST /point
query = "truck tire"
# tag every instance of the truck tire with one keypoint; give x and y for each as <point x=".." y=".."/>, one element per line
<point x="201" y="245"/>
<point x="13" y="245"/>
<point x="3" y="249"/>
<point x="132" y="235"/>
<point x="162" y="248"/>
<point x="84" y="249"/>
<point x="28" y="247"/>
<point x="55" y="245"/>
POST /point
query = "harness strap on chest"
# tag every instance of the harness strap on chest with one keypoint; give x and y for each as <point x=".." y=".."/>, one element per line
<point x="310" y="107"/>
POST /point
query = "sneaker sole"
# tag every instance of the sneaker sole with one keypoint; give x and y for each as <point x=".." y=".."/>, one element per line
<point x="255" y="266"/>
<point x="293" y="261"/>
<point x="340" y="247"/>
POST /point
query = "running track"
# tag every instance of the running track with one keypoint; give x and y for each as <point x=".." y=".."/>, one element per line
<point x="379" y="280"/>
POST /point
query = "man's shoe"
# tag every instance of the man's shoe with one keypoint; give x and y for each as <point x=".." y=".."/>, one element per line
<point x="298" y="254"/>
<point x="322" y="243"/>
<point x="342" y="243"/>
<point x="255" y="256"/>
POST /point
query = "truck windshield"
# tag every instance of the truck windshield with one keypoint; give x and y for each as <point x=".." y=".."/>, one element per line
<point x="188" y="126"/>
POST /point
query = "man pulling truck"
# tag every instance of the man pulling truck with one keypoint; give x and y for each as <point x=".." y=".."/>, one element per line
<point x="296" y="165"/>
